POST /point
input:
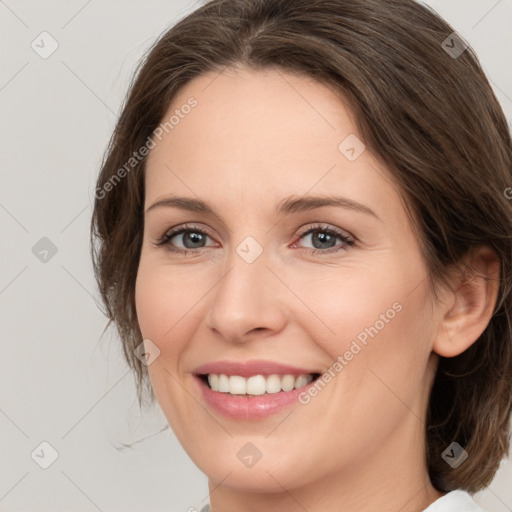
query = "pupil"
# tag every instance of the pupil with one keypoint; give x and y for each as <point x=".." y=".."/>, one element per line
<point x="322" y="237"/>
<point x="193" y="237"/>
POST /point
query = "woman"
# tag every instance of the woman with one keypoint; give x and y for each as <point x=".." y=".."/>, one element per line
<point x="302" y="233"/>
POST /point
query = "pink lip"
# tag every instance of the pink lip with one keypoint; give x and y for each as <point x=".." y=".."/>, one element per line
<point x="249" y="368"/>
<point x="250" y="408"/>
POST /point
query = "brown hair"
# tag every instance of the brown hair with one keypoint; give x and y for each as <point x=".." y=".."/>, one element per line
<point x="431" y="117"/>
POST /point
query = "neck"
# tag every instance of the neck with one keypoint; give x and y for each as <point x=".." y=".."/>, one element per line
<point x="298" y="500"/>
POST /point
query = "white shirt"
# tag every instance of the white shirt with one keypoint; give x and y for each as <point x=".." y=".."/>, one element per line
<point x="454" y="501"/>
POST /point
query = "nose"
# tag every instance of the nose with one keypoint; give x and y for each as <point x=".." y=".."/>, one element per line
<point x="248" y="301"/>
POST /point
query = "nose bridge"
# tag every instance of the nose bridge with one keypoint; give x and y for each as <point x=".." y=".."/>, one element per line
<point x="244" y="299"/>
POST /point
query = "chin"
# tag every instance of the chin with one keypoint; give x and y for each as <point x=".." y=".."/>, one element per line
<point x="268" y="475"/>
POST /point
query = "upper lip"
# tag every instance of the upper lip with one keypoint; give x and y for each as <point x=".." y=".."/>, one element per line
<point x="250" y="368"/>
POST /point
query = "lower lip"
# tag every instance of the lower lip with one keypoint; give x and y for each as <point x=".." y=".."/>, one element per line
<point x="253" y="407"/>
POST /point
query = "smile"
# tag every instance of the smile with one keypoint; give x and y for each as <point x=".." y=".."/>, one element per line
<point x="257" y="385"/>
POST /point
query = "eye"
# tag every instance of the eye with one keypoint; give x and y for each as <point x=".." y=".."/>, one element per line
<point x="191" y="238"/>
<point x="324" y="239"/>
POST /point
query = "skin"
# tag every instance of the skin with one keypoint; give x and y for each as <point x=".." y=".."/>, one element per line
<point x="255" y="138"/>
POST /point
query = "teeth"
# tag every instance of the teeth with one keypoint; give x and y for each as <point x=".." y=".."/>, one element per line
<point x="273" y="384"/>
<point x="257" y="384"/>
<point x="302" y="380"/>
<point x="237" y="385"/>
<point x="223" y="383"/>
<point x="287" y="382"/>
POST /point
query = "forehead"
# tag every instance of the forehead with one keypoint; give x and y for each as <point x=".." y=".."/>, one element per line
<point x="262" y="114"/>
<point x="262" y="135"/>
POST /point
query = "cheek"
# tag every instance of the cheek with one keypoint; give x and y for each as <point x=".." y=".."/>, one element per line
<point x="149" y="302"/>
<point x="162" y="305"/>
<point x="355" y="304"/>
<point x="160" y="302"/>
<point x="168" y="302"/>
<point x="375" y="318"/>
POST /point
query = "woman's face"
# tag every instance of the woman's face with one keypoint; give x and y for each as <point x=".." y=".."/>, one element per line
<point x="261" y="281"/>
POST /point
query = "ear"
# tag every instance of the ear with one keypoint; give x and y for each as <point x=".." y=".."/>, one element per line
<point x="469" y="305"/>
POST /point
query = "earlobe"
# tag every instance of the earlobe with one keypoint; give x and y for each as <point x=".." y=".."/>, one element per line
<point x="471" y="306"/>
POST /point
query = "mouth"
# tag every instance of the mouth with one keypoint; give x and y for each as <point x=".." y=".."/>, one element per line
<point x="256" y="385"/>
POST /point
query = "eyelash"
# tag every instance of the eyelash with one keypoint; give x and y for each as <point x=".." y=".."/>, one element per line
<point x="168" y="235"/>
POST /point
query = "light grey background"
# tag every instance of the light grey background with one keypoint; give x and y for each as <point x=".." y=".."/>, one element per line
<point x="60" y="381"/>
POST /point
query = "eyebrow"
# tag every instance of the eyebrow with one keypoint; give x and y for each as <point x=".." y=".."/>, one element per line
<point x="286" y="206"/>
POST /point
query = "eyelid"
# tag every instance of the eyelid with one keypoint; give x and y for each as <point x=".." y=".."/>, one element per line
<point x="322" y="226"/>
<point x="347" y="239"/>
<point x="180" y="228"/>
